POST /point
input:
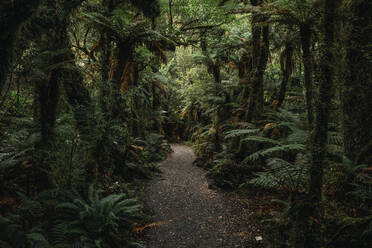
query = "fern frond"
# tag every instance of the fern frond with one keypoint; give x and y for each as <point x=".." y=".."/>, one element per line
<point x="240" y="132"/>
<point x="260" y="139"/>
<point x="274" y="150"/>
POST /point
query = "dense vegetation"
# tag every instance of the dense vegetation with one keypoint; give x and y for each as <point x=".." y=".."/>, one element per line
<point x="274" y="95"/>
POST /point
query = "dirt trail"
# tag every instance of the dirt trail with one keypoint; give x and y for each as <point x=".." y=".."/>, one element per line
<point x="189" y="214"/>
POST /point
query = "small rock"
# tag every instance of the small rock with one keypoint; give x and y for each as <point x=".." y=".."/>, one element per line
<point x="258" y="238"/>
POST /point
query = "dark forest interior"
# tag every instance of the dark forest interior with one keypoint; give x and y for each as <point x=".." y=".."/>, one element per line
<point x="273" y="96"/>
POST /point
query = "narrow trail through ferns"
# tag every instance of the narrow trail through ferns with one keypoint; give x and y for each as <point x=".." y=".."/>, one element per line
<point x="187" y="213"/>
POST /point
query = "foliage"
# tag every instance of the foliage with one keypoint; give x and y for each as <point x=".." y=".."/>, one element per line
<point x="14" y="234"/>
<point x="92" y="91"/>
<point x="97" y="221"/>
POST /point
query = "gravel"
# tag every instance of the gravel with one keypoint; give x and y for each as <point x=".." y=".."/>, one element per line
<point x="187" y="213"/>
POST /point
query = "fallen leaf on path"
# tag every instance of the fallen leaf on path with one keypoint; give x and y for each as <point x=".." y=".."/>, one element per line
<point x="244" y="235"/>
<point x="139" y="229"/>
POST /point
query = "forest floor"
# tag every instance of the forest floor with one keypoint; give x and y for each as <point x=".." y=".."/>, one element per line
<point x="187" y="213"/>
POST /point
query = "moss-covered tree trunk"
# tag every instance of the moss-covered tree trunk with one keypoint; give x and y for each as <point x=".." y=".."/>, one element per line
<point x="357" y="88"/>
<point x="256" y="96"/>
<point x="260" y="55"/>
<point x="12" y="15"/>
<point x="64" y="72"/>
<point x="305" y="32"/>
<point x="310" y="236"/>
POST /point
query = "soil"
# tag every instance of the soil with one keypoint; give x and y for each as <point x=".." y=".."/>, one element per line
<point x="188" y="212"/>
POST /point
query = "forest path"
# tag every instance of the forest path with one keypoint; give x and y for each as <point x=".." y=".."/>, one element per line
<point x="188" y="214"/>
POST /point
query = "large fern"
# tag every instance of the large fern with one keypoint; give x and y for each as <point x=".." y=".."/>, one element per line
<point x="276" y="150"/>
<point x="281" y="174"/>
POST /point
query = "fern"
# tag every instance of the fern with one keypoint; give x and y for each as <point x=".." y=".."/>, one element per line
<point x="280" y="149"/>
<point x="97" y="220"/>
<point x="260" y="139"/>
<point x="14" y="234"/>
<point x="281" y="174"/>
<point x="334" y="138"/>
<point x="240" y="132"/>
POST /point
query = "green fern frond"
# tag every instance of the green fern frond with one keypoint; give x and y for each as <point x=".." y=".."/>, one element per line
<point x="240" y="132"/>
<point x="91" y="221"/>
<point x="260" y="139"/>
<point x="273" y="151"/>
<point x="335" y="138"/>
<point x="281" y="174"/>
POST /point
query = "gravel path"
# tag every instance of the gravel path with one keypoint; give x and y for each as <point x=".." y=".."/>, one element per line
<point x="188" y="214"/>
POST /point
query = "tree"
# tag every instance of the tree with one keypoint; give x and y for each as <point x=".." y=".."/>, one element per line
<point x="13" y="15"/>
<point x="310" y="236"/>
<point x="357" y="83"/>
<point x="286" y="65"/>
<point x="260" y="56"/>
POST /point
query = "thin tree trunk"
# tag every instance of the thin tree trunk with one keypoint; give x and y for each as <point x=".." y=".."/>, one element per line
<point x="104" y="90"/>
<point x="305" y="31"/>
<point x="170" y="5"/>
<point x="287" y="68"/>
<point x="264" y="57"/>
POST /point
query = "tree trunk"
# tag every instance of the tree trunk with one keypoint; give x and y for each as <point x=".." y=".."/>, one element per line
<point x="312" y="210"/>
<point x="57" y="39"/>
<point x="170" y="5"/>
<point x="260" y="55"/>
<point x="305" y="32"/>
<point x="105" y="61"/>
<point x="124" y="54"/>
<point x="245" y="67"/>
<point x="12" y="15"/>
<point x="48" y="96"/>
<point x="264" y="57"/>
<point x="286" y="64"/>
<point x="357" y="88"/>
